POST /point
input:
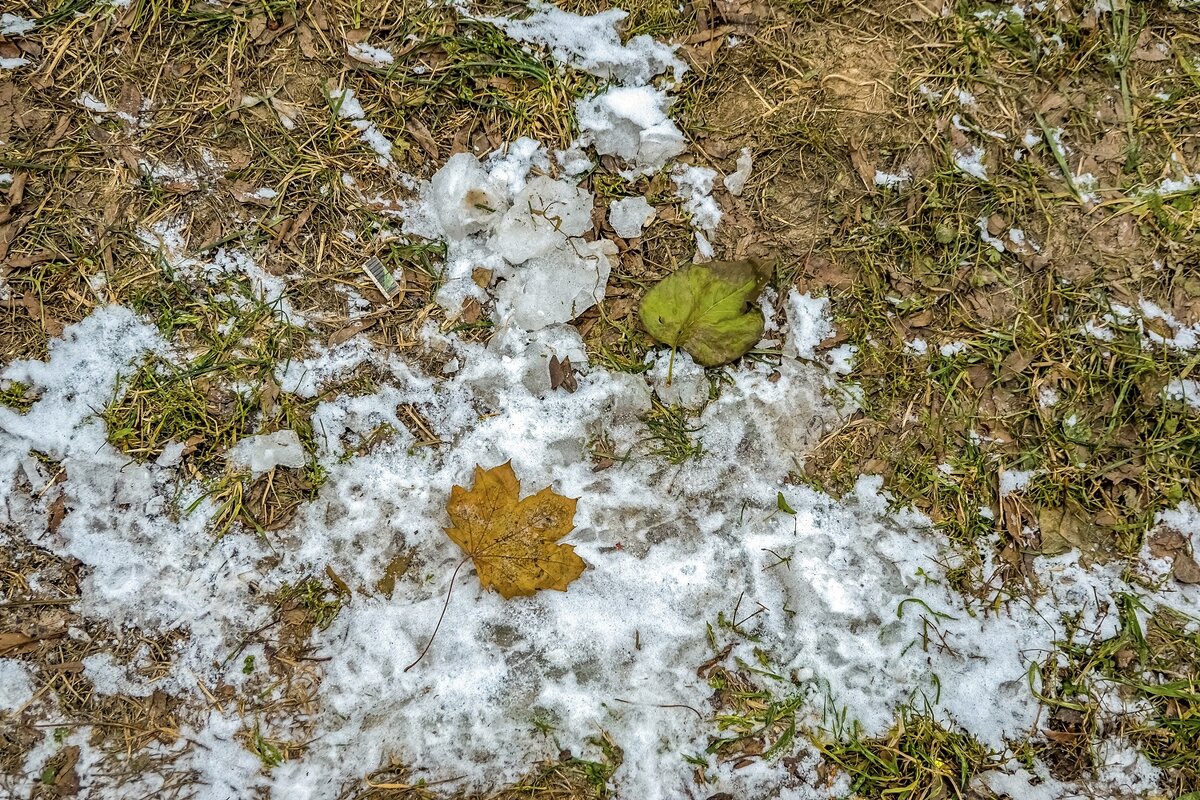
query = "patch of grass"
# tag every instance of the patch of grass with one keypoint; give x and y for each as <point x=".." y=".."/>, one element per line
<point x="163" y="405"/>
<point x="17" y="396"/>
<point x="1152" y="667"/>
<point x="268" y="752"/>
<point x="669" y="433"/>
<point x="918" y="759"/>
<point x="320" y="601"/>
<point x="974" y="362"/>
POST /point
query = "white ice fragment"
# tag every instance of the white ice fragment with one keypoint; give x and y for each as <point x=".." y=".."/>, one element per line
<point x="12" y="25"/>
<point x="13" y="63"/>
<point x="735" y="181"/>
<point x="704" y="248"/>
<point x="1048" y="397"/>
<point x="463" y="198"/>
<point x="695" y="185"/>
<point x="92" y="103"/>
<point x="997" y="244"/>
<point x="171" y="455"/>
<point x="631" y="123"/>
<point x="970" y="161"/>
<point x="349" y="108"/>
<point x="890" y="180"/>
<point x="951" y="349"/>
<point x="808" y="324"/>
<point x="15" y="688"/>
<point x="629" y="215"/>
<point x="1014" y="480"/>
<point x="544" y="214"/>
<point x="593" y="43"/>
<point x="369" y="54"/>
<point x="269" y="450"/>
<point x="557" y="286"/>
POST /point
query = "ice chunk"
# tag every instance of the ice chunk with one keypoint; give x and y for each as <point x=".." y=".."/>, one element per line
<point x="464" y="199"/>
<point x="631" y="123"/>
<point x="689" y="384"/>
<point x="629" y="215"/>
<point x="593" y="43"/>
<point x="269" y="450"/>
<point x="12" y="25"/>
<point x="809" y="324"/>
<point x="695" y="185"/>
<point x="15" y="689"/>
<point x="735" y="182"/>
<point x="557" y="286"/>
<point x="544" y="214"/>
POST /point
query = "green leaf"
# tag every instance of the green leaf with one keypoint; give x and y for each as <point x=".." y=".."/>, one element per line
<point x="707" y="309"/>
<point x="783" y="505"/>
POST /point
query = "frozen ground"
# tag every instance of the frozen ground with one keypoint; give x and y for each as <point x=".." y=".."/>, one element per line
<point x="848" y="600"/>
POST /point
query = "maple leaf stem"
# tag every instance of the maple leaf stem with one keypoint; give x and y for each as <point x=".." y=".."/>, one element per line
<point x="441" y="616"/>
<point x="671" y="366"/>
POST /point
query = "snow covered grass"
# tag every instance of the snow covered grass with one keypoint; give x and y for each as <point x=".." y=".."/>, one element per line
<point x="757" y="619"/>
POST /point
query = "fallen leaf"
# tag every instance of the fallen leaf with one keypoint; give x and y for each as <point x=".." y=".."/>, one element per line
<point x="513" y="542"/>
<point x="343" y="334"/>
<point x="562" y="374"/>
<point x="1064" y="530"/>
<point x="1185" y="569"/>
<point x="707" y="310"/>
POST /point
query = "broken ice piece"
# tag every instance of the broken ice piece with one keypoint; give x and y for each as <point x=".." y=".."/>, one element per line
<point x="542" y="216"/>
<point x="558" y="286"/>
<point x="267" y="451"/>
<point x="381" y="277"/>
<point x="735" y="182"/>
<point x="631" y="122"/>
<point x="171" y="455"/>
<point x="629" y="215"/>
<point x="464" y="199"/>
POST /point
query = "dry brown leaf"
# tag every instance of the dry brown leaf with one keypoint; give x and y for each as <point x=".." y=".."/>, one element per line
<point x="358" y="326"/>
<point x="513" y="543"/>
<point x="562" y="374"/>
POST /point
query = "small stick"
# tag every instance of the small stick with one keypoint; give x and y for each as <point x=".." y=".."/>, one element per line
<point x="441" y="616"/>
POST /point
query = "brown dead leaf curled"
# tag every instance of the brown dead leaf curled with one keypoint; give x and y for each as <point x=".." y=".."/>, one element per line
<point x="513" y="542"/>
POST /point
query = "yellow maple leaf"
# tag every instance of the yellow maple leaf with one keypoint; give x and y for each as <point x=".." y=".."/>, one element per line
<point x="513" y="542"/>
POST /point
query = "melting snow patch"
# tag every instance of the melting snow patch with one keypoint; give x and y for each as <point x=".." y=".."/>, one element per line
<point x="695" y="185"/>
<point x="889" y="180"/>
<point x="632" y="123"/>
<point x="808" y="324"/>
<point x="12" y="25"/>
<point x="1015" y="480"/>
<point x="735" y="182"/>
<point x="593" y="44"/>
<point x="349" y="108"/>
<point x="971" y="162"/>
<point x="369" y="54"/>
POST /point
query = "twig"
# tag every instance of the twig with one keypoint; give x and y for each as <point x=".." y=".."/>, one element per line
<point x="441" y="616"/>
